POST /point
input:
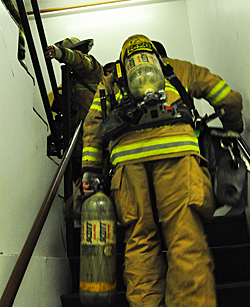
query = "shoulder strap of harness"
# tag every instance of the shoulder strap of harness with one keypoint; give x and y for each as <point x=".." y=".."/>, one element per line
<point x="169" y="73"/>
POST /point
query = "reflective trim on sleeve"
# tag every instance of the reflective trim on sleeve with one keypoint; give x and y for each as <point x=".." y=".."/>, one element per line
<point x="218" y="92"/>
<point x="89" y="62"/>
<point x="96" y="105"/>
<point x="155" y="147"/>
<point x="70" y="56"/>
<point x="91" y="154"/>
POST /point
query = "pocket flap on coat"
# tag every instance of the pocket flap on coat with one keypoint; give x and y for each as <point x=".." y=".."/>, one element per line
<point x="116" y="179"/>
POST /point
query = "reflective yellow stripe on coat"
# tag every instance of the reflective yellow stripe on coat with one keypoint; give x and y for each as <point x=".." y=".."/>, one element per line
<point x="153" y="148"/>
<point x="96" y="105"/>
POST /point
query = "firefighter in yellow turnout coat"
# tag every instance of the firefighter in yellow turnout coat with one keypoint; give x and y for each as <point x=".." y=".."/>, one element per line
<point x="87" y="73"/>
<point x="167" y="159"/>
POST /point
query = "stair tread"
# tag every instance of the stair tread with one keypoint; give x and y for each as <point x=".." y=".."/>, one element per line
<point x="229" y="242"/>
<point x="229" y="285"/>
<point x="227" y="295"/>
<point x="232" y="247"/>
<point x="235" y="285"/>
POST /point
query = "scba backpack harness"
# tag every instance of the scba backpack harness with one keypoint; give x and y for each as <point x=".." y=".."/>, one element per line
<point x="220" y="147"/>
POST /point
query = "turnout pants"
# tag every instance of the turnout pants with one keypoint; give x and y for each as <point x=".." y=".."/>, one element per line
<point x="183" y="191"/>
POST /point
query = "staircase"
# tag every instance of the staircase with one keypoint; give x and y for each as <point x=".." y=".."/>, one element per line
<point x="229" y="241"/>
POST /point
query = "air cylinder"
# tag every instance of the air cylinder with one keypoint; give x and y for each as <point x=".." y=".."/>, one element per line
<point x="98" y="251"/>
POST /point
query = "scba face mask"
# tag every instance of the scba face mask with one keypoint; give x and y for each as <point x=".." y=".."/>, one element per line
<point x="144" y="74"/>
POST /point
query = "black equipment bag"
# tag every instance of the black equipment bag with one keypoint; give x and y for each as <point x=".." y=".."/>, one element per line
<point x="226" y="166"/>
<point x="220" y="147"/>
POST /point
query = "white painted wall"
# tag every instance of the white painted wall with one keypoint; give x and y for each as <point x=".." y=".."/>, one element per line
<point x="26" y="174"/>
<point x="221" y="41"/>
<point x="210" y="33"/>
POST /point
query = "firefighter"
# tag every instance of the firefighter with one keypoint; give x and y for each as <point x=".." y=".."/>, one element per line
<point x="164" y="157"/>
<point x="86" y="74"/>
<point x="109" y="68"/>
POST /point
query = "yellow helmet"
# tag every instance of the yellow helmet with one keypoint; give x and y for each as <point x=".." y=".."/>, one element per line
<point x="136" y="43"/>
<point x="75" y="43"/>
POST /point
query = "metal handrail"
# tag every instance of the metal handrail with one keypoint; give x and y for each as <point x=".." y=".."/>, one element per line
<point x="44" y="44"/>
<point x="244" y="147"/>
<point x="38" y="72"/>
<point x="18" y="272"/>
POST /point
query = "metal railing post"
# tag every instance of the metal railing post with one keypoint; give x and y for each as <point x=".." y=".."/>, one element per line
<point x="38" y="73"/>
<point x="44" y="44"/>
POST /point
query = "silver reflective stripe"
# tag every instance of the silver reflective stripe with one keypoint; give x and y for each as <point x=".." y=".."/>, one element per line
<point x="137" y="152"/>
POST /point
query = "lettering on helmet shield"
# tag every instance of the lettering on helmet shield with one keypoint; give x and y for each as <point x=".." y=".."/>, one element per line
<point x="142" y="46"/>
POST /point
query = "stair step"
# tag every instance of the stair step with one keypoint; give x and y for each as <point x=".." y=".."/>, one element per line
<point x="234" y="294"/>
<point x="220" y="231"/>
<point x="229" y="242"/>
<point x="228" y="295"/>
<point x="231" y="263"/>
<point x="73" y="300"/>
<point x="227" y="230"/>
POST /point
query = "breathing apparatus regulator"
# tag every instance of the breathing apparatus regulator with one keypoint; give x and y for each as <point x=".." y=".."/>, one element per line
<point x="140" y="75"/>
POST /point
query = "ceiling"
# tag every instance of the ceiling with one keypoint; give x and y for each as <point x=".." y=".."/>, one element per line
<point x="55" y="5"/>
<point x="49" y="4"/>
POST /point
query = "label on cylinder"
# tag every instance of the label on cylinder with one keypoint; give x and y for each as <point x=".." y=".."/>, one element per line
<point x="98" y="232"/>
